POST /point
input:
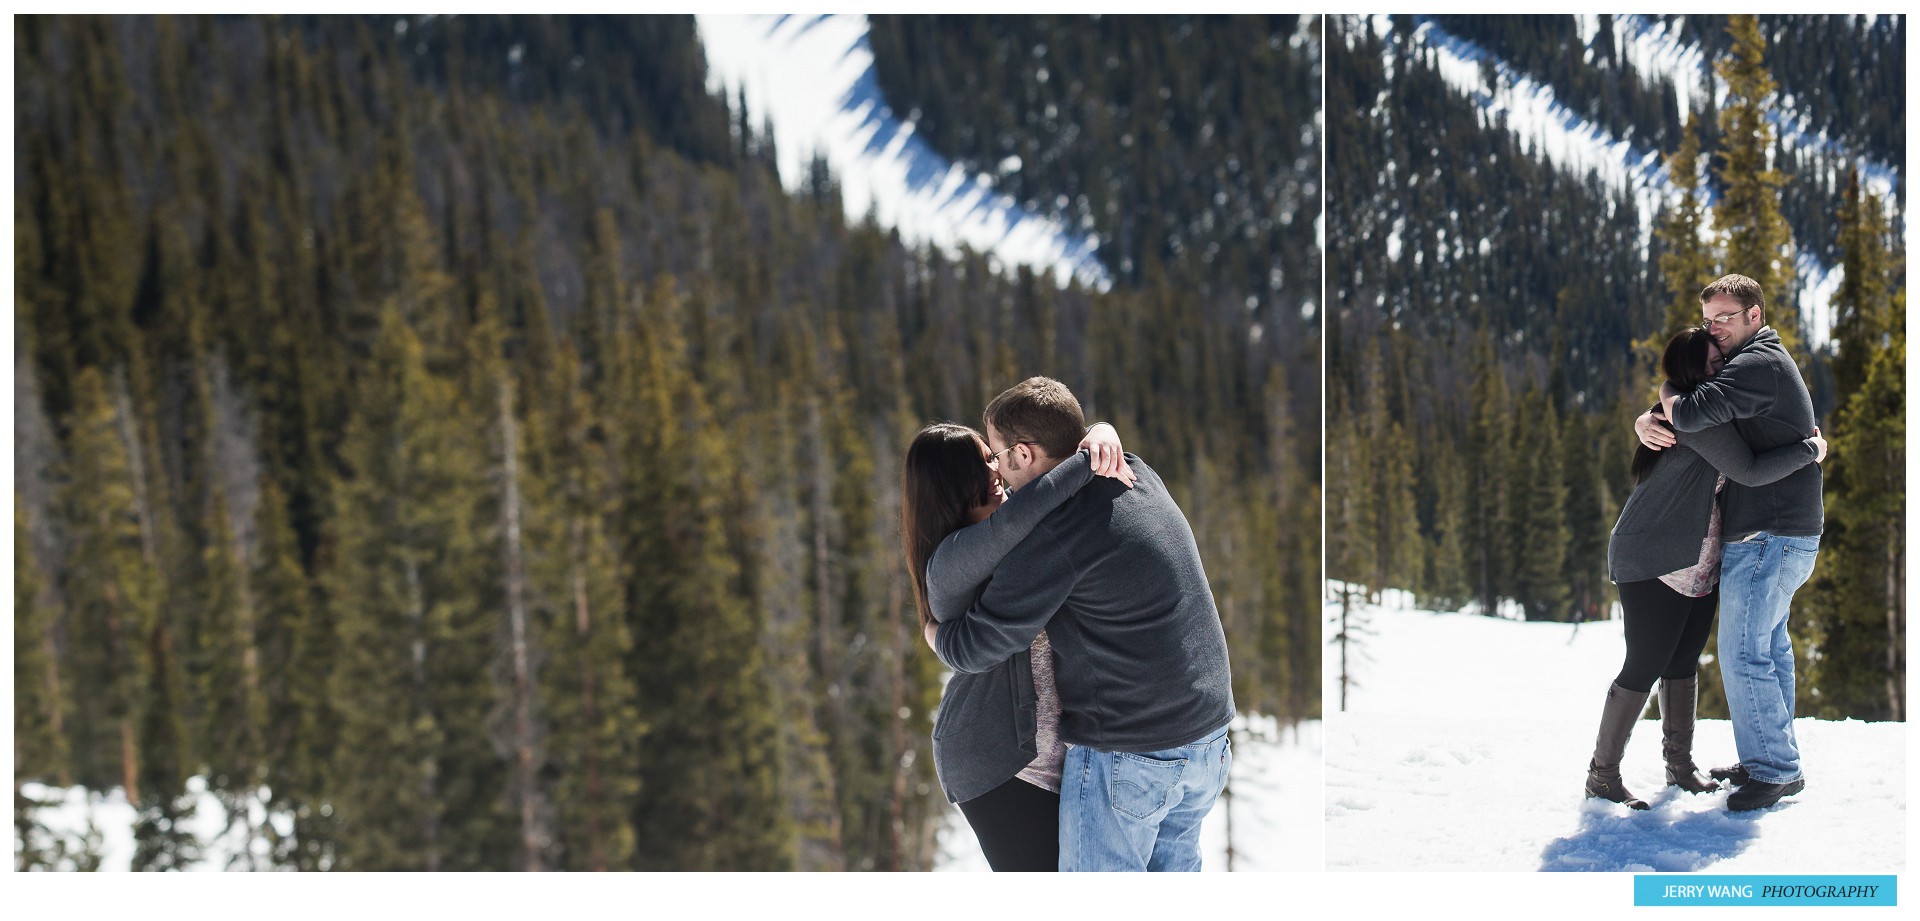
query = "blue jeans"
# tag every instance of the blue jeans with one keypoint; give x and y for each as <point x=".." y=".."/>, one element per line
<point x="1139" y="810"/>
<point x="1757" y="581"/>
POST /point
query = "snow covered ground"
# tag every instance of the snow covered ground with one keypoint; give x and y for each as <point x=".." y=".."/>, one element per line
<point x="70" y="811"/>
<point x="812" y="78"/>
<point x="1274" y="813"/>
<point x="1465" y="742"/>
<point x="1274" y="810"/>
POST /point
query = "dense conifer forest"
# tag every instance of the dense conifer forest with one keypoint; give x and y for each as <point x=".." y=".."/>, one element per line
<point x="1845" y="74"/>
<point x="1494" y="321"/>
<point x="452" y="427"/>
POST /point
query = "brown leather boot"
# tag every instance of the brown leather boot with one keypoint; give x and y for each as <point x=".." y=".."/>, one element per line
<point x="1616" y="725"/>
<point x="1677" y="698"/>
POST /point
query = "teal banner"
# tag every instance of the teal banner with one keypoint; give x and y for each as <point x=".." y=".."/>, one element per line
<point x="1688" y="889"/>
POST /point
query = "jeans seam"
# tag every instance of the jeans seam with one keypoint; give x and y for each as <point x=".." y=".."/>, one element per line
<point x="1753" y="697"/>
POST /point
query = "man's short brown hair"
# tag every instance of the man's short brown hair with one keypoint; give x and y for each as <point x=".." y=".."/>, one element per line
<point x="1039" y="411"/>
<point x="1742" y="289"/>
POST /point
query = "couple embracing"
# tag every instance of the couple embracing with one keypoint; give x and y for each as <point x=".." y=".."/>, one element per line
<point x="1725" y="513"/>
<point x="1085" y="726"/>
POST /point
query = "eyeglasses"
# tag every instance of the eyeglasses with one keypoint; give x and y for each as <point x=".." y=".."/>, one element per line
<point x="1723" y="319"/>
<point x="994" y="458"/>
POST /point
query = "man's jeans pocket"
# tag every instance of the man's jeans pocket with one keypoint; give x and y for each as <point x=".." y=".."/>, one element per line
<point x="1141" y="784"/>
<point x="1797" y="556"/>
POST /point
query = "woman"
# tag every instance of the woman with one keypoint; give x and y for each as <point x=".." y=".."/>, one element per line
<point x="994" y="747"/>
<point x="1664" y="555"/>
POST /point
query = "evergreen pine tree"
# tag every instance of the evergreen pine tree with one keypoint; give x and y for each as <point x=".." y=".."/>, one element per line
<point x="1861" y="304"/>
<point x="1587" y="520"/>
<point x="39" y="741"/>
<point x="1540" y="572"/>
<point x="698" y="664"/>
<point x="1448" y="584"/>
<point x="1856" y="605"/>
<point x="596" y="732"/>
<point x="415" y="783"/>
<point x="111" y="591"/>
<point x="296" y="658"/>
<point x="39" y="705"/>
<point x="1858" y="621"/>
<point x="1754" y="237"/>
<point x="1686" y="258"/>
<point x="1491" y="513"/>
<point x="233" y="723"/>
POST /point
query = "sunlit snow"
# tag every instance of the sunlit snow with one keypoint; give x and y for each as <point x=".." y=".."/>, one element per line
<point x="1465" y="741"/>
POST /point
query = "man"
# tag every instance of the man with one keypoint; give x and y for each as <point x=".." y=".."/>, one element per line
<point x="1771" y="533"/>
<point x="1114" y="577"/>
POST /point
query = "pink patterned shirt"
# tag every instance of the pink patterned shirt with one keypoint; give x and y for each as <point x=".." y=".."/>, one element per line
<point x="1044" y="770"/>
<point x="1698" y="580"/>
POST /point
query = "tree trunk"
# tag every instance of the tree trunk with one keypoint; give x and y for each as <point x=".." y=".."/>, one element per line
<point x="429" y="771"/>
<point x="116" y="652"/>
<point x="1346" y="605"/>
<point x="523" y="742"/>
<point x="1896" y="613"/>
<point x="826" y="627"/>
<point x="589" y="708"/>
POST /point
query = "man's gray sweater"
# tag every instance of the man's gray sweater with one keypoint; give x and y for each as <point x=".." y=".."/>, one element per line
<point x="1760" y="391"/>
<point x="1114" y="577"/>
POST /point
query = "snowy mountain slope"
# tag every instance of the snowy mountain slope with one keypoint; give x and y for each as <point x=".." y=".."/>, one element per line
<point x="812" y="79"/>
<point x="1274" y="810"/>
<point x="1465" y="743"/>
<point x="1656" y="52"/>
<point x="1531" y="110"/>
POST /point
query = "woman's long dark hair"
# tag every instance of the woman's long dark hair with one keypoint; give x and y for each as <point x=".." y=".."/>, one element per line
<point x="1685" y="364"/>
<point x="945" y="478"/>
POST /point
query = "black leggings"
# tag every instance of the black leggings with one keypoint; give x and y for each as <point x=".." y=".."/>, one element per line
<point x="1018" y="825"/>
<point x="1665" y="632"/>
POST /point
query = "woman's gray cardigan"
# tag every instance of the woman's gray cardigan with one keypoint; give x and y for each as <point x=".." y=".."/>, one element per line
<point x="984" y="733"/>
<point x="1665" y="519"/>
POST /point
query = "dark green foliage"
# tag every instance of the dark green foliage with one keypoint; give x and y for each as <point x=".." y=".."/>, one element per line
<point x="1754" y="238"/>
<point x="39" y="703"/>
<point x="1687" y="261"/>
<point x="411" y="599"/>
<point x="111" y="595"/>
<point x="1856" y="618"/>
<point x="1587" y="499"/>
<point x="1539" y="511"/>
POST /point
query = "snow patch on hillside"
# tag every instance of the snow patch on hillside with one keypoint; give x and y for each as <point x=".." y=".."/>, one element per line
<point x="812" y="78"/>
<point x="1530" y="109"/>
<point x="1465" y="741"/>
<point x="1659" y="53"/>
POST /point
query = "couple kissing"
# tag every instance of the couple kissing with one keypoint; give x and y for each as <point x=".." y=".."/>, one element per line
<point x="1085" y="725"/>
